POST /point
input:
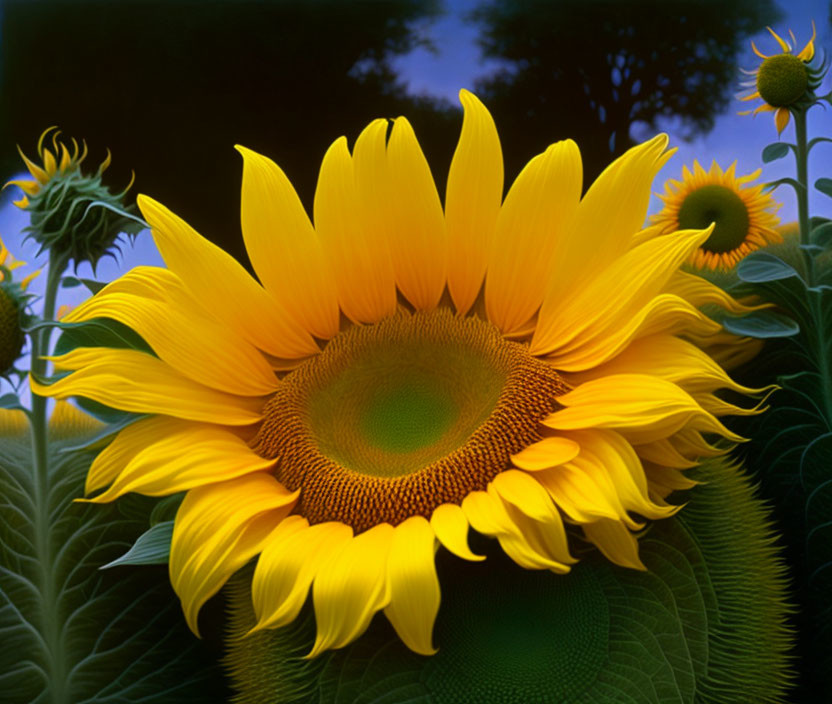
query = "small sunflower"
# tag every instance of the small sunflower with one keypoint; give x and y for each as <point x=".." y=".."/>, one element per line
<point x="72" y="213"/>
<point x="13" y="299"/>
<point x="744" y="216"/>
<point x="403" y="372"/>
<point x="784" y="81"/>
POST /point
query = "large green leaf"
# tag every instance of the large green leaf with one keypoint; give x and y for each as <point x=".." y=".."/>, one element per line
<point x="705" y="623"/>
<point x="72" y="633"/>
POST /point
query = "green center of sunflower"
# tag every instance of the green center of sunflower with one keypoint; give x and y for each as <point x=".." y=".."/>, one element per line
<point x="11" y="335"/>
<point x="782" y="80"/>
<point x="394" y="419"/>
<point x="720" y="205"/>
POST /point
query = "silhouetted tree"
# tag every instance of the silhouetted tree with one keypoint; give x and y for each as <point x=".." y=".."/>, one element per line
<point x="171" y="85"/>
<point x="590" y="69"/>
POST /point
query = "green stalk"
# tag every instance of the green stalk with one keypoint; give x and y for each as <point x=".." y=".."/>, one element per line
<point x="50" y="626"/>
<point x="802" y="161"/>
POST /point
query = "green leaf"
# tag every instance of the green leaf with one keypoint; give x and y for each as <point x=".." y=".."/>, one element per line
<point x="824" y="185"/>
<point x="798" y="187"/>
<point x="10" y="402"/>
<point x="822" y="235"/>
<point x="775" y="151"/>
<point x="762" y="266"/>
<point x="166" y="508"/>
<point x="151" y="548"/>
<point x="762" y="325"/>
<point x="704" y="623"/>
<point x="72" y="282"/>
<point x="817" y="140"/>
<point x="98" y="332"/>
<point x="73" y="634"/>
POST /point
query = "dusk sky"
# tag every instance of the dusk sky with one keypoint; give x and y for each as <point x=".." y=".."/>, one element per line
<point x="457" y="64"/>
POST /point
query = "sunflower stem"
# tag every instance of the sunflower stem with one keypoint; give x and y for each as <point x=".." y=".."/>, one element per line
<point x="51" y="630"/>
<point x="802" y="162"/>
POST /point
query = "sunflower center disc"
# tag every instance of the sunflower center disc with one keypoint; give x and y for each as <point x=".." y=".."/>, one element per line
<point x="782" y="80"/>
<point x="720" y="205"/>
<point x="11" y="335"/>
<point x="394" y="419"/>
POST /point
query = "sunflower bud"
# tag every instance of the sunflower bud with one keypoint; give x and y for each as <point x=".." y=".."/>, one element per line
<point x="13" y="300"/>
<point x="73" y="214"/>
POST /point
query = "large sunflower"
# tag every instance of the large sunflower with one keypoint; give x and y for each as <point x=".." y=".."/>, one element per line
<point x="744" y="216"/>
<point x="783" y="81"/>
<point x="524" y="367"/>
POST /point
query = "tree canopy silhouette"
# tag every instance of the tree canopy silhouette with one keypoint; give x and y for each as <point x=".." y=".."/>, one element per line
<point x="170" y="87"/>
<point x="591" y="69"/>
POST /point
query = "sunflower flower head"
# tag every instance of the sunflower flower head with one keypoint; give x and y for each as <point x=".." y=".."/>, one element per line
<point x="401" y="372"/>
<point x="785" y="81"/>
<point x="744" y="215"/>
<point x="72" y="213"/>
<point x="13" y="300"/>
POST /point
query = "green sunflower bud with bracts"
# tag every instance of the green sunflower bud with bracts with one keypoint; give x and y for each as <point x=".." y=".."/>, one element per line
<point x="785" y="81"/>
<point x="73" y="214"/>
<point x="13" y="299"/>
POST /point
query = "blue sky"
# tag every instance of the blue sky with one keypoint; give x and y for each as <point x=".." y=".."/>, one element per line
<point x="457" y="64"/>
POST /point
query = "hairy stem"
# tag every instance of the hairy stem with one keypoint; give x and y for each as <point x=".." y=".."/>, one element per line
<point x="50" y="618"/>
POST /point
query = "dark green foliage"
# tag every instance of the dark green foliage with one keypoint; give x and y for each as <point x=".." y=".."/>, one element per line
<point x="791" y="450"/>
<point x="71" y="633"/>
<point x="704" y="624"/>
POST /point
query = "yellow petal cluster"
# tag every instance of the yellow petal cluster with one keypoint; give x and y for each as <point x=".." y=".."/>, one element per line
<point x="576" y="280"/>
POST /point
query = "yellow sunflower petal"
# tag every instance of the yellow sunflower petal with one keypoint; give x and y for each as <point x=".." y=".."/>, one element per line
<point x="670" y="358"/>
<point x="758" y="52"/>
<point x="30" y="188"/>
<point x="472" y="201"/>
<point x="784" y="45"/>
<point x="549" y="452"/>
<point x="414" y="586"/>
<point x="13" y="423"/>
<point x="781" y="119"/>
<point x="701" y="292"/>
<point x="487" y="514"/>
<point x="128" y="443"/>
<point x="590" y="315"/>
<point x="662" y="452"/>
<point x="418" y="242"/>
<point x="69" y="421"/>
<point x="38" y="173"/>
<point x="134" y="381"/>
<point x="359" y="259"/>
<point x="808" y="51"/>
<point x="180" y="456"/>
<point x="611" y="211"/>
<point x="524" y="492"/>
<point x="530" y="228"/>
<point x="617" y="543"/>
<point x="451" y="528"/>
<point x="547" y="537"/>
<point x="222" y="285"/>
<point x="647" y="406"/>
<point x="292" y="556"/>
<point x="615" y="459"/>
<point x="171" y="326"/>
<point x="284" y="248"/>
<point x="350" y="588"/>
<point x="218" y="529"/>
<point x="576" y="491"/>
